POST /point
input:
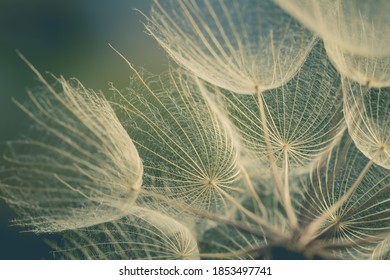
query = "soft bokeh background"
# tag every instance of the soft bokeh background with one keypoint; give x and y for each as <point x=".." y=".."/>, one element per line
<point x="68" y="38"/>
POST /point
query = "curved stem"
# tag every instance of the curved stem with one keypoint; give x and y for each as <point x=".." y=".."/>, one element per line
<point x="252" y="189"/>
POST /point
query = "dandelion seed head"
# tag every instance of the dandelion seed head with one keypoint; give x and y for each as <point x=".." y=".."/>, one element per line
<point x="262" y="148"/>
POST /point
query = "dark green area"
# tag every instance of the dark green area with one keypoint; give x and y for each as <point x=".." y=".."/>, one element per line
<point x="68" y="38"/>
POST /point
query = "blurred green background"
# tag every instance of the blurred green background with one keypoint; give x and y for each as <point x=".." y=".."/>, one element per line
<point x="68" y="38"/>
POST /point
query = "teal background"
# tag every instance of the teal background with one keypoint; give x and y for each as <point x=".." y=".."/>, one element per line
<point x="68" y="38"/>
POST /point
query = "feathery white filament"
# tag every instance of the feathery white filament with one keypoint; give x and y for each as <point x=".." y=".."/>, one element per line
<point x="144" y="234"/>
<point x="304" y="116"/>
<point x="357" y="26"/>
<point x="188" y="154"/>
<point x="361" y="219"/>
<point x="367" y="114"/>
<point x="79" y="166"/>
<point x="239" y="46"/>
<point x="356" y="34"/>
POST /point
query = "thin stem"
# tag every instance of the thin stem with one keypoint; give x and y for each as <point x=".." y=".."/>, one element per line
<point x="282" y="189"/>
<point x="286" y="194"/>
<point x="266" y="228"/>
<point x="222" y="118"/>
<point x="255" y="196"/>
<point x="245" y="211"/>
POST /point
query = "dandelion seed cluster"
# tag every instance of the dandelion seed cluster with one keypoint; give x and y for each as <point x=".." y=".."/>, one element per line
<point x="271" y="134"/>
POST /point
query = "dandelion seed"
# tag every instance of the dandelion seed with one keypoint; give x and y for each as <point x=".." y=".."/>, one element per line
<point x="243" y="47"/>
<point x="367" y="114"/>
<point x="187" y="153"/>
<point x="79" y="167"/>
<point x="144" y="234"/>
<point x="350" y="198"/>
<point x="358" y="27"/>
<point x="356" y="35"/>
<point x="304" y="117"/>
<point x="367" y="70"/>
